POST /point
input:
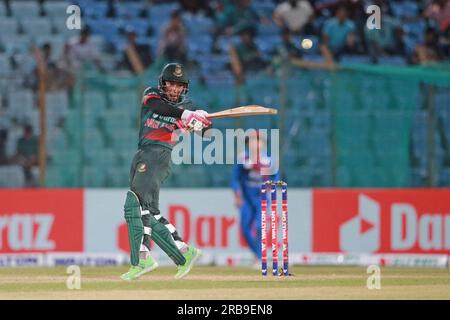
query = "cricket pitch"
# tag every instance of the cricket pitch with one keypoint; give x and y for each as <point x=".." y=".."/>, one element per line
<point x="222" y="283"/>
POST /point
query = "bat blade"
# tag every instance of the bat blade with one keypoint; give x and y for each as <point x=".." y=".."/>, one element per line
<point x="244" y="111"/>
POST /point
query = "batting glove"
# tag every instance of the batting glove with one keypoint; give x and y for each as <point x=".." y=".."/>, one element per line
<point x="195" y="120"/>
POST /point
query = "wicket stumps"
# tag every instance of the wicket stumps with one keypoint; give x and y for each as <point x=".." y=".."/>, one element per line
<point x="274" y="226"/>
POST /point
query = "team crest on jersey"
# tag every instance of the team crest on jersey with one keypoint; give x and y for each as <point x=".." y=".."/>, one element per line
<point x="178" y="72"/>
<point x="142" y="167"/>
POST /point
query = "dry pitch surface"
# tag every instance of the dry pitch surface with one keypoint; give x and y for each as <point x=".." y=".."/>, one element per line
<point x="226" y="283"/>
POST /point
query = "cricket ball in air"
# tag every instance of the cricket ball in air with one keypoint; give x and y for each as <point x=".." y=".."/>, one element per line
<point x="307" y="44"/>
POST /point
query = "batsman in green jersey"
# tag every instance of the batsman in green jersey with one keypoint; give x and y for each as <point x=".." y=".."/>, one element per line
<point x="164" y="110"/>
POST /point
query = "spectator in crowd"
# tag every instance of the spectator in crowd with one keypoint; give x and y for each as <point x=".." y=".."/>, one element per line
<point x="287" y="51"/>
<point x="196" y="7"/>
<point x="8" y="8"/>
<point x="237" y="14"/>
<point x="27" y="154"/>
<point x="385" y="41"/>
<point x="338" y="35"/>
<point x="172" y="45"/>
<point x="137" y="56"/>
<point x="111" y="11"/>
<point x="287" y="48"/>
<point x="294" y="15"/>
<point x="81" y="51"/>
<point x="56" y="76"/>
<point x="439" y="11"/>
<point x="429" y="51"/>
<point x="245" y="56"/>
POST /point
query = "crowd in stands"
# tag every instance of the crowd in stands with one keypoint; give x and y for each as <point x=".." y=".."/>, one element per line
<point x="418" y="32"/>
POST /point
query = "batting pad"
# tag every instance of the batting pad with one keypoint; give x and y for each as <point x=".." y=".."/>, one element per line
<point x="163" y="238"/>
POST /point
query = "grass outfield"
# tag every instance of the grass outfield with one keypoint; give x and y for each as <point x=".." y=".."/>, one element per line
<point x="226" y="283"/>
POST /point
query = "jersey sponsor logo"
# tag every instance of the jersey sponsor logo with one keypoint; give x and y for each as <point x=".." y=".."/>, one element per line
<point x="155" y="124"/>
<point x="166" y="119"/>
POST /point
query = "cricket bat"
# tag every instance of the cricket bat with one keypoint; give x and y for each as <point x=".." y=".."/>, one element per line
<point x="250" y="110"/>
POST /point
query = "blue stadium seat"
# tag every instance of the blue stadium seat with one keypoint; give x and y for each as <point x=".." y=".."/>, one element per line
<point x="124" y="140"/>
<point x="57" y="99"/>
<point x="106" y="27"/>
<point x="96" y="10"/>
<point x="139" y="25"/>
<point x="316" y="144"/>
<point x="343" y="178"/>
<point x="12" y="176"/>
<point x="356" y="158"/>
<point x="94" y="176"/>
<point x="14" y="43"/>
<point x="392" y="60"/>
<point x="62" y="175"/>
<point x="126" y="99"/>
<point x="418" y="177"/>
<point x="36" y="26"/>
<point x="56" y="8"/>
<point x="129" y="10"/>
<point x="263" y="8"/>
<point x="265" y="30"/>
<point x="410" y="44"/>
<point x="225" y="43"/>
<point x="444" y="178"/>
<point x="390" y="123"/>
<point x="321" y="122"/>
<point x="267" y="44"/>
<point x="350" y="59"/>
<point x="442" y="100"/>
<point x="2" y="11"/>
<point x="56" y="141"/>
<point x="20" y="103"/>
<point x="93" y="140"/>
<point x="198" y="26"/>
<point x="5" y="67"/>
<point x="125" y="156"/>
<point x="116" y="177"/>
<point x="94" y="100"/>
<point x="415" y="30"/>
<point x="164" y="9"/>
<point x="8" y="26"/>
<point x="113" y="121"/>
<point x="405" y="9"/>
<point x="199" y="46"/>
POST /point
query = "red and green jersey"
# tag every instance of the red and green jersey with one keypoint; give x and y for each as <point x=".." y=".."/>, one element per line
<point x="155" y="128"/>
